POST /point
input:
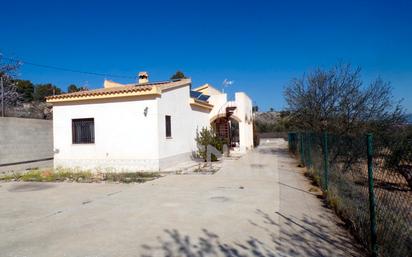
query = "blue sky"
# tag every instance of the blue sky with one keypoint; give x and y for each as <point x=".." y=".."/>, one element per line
<point x="260" y="45"/>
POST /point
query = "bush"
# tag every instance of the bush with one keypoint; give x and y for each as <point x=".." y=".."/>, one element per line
<point x="130" y="177"/>
<point x="399" y="158"/>
<point x="256" y="136"/>
<point x="50" y="176"/>
<point x="208" y="137"/>
<point x="80" y="176"/>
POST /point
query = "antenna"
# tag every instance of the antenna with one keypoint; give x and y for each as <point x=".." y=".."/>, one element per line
<point x="226" y="83"/>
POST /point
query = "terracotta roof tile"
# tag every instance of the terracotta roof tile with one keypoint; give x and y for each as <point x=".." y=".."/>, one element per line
<point x="121" y="89"/>
<point x="108" y="91"/>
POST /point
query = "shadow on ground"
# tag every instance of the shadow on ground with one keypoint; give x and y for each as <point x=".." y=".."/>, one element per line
<point x="305" y="237"/>
<point x="27" y="187"/>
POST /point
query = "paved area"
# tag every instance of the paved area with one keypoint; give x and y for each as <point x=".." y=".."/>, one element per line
<point x="258" y="205"/>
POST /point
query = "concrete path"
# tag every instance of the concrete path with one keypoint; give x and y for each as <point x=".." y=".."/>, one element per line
<point x="258" y="205"/>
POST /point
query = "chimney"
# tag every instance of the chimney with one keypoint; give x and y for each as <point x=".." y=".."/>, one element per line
<point x="143" y="77"/>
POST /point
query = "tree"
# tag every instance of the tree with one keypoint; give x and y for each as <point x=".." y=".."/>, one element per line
<point x="284" y="114"/>
<point x="9" y="94"/>
<point x="399" y="158"/>
<point x="26" y="89"/>
<point x="271" y="109"/>
<point x="178" y="75"/>
<point x="208" y="137"/>
<point x="73" y="88"/>
<point x="8" y="67"/>
<point x="255" y="108"/>
<point x="256" y="136"/>
<point x="335" y="100"/>
<point x="41" y="91"/>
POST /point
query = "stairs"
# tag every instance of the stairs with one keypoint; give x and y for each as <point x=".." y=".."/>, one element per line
<point x="230" y="109"/>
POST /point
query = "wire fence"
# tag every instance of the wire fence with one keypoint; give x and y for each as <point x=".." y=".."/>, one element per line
<point x="367" y="181"/>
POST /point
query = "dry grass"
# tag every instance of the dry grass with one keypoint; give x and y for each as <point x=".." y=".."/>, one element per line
<point x="51" y="175"/>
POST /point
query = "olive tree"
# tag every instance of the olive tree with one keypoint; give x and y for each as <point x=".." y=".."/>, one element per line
<point x="9" y="94"/>
<point x="336" y="100"/>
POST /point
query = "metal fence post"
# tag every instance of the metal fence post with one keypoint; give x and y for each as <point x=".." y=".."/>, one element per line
<point x="325" y="161"/>
<point x="2" y="95"/>
<point x="308" y="150"/>
<point x="302" y="150"/>
<point x="290" y="141"/>
<point x="372" y="205"/>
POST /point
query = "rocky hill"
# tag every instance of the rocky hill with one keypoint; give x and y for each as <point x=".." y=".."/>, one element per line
<point x="271" y="121"/>
<point x="32" y="110"/>
<point x="267" y="117"/>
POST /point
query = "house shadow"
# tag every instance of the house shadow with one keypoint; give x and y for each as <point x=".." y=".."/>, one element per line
<point x="297" y="237"/>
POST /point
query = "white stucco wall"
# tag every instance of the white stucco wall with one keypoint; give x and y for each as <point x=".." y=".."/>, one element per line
<point x="219" y="102"/>
<point x="124" y="137"/>
<point x="185" y="119"/>
<point x="244" y="112"/>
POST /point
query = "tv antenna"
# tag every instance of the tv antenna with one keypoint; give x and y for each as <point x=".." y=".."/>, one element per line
<point x="226" y="83"/>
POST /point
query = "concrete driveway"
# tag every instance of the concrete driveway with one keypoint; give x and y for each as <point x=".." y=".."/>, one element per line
<point x="258" y="205"/>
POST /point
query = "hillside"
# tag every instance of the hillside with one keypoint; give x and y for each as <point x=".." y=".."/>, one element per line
<point x="267" y="117"/>
<point x="271" y="121"/>
<point x="31" y="110"/>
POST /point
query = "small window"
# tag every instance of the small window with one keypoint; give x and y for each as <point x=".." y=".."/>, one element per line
<point x="168" y="126"/>
<point x="83" y="131"/>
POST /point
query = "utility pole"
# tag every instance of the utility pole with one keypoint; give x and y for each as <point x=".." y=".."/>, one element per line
<point x="2" y="96"/>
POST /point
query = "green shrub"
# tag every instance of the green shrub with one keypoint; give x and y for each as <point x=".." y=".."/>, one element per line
<point x="399" y="156"/>
<point x="130" y="177"/>
<point x="61" y="175"/>
<point x="208" y="137"/>
<point x="32" y="175"/>
<point x="80" y="176"/>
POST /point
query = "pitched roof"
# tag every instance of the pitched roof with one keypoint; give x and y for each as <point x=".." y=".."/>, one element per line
<point x="120" y="91"/>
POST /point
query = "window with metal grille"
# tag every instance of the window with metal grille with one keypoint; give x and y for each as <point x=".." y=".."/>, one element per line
<point x="168" y="126"/>
<point x="83" y="131"/>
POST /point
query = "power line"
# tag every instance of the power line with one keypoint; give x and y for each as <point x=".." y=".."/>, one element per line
<point x="65" y="69"/>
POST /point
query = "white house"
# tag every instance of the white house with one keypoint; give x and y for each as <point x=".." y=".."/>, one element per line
<point x="142" y="126"/>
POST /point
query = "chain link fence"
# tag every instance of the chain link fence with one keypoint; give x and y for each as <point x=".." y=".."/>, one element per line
<point x="367" y="181"/>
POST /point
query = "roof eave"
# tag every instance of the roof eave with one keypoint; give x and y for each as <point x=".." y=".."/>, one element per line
<point x="154" y="92"/>
<point x="201" y="104"/>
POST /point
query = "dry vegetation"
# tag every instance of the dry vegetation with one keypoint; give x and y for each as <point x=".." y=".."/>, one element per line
<point x="50" y="175"/>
